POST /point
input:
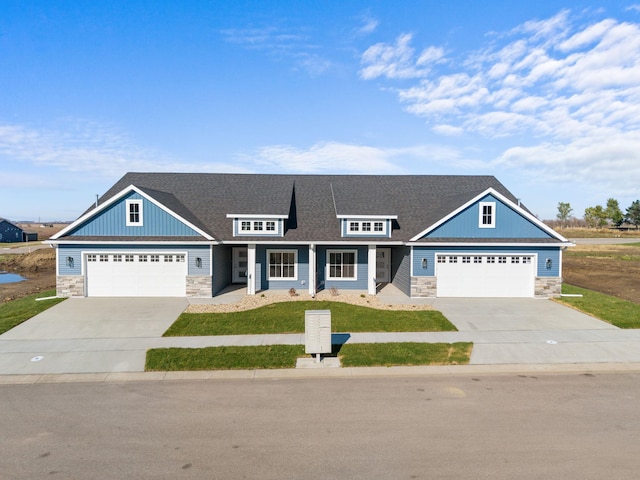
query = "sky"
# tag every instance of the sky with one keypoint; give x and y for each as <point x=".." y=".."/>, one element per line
<point x="544" y="95"/>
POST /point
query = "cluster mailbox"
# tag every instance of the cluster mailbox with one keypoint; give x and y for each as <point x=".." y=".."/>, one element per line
<point x="317" y="332"/>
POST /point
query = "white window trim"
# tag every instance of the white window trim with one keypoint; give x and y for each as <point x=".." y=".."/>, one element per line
<point x="355" y="265"/>
<point x="129" y="223"/>
<point x="262" y="231"/>
<point x="372" y="232"/>
<point x="295" y="264"/>
<point x="481" y="206"/>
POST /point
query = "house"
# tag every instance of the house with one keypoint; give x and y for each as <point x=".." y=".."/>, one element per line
<point x="188" y="234"/>
<point x="10" y="233"/>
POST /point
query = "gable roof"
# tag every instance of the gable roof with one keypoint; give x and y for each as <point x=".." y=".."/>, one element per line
<point x="312" y="203"/>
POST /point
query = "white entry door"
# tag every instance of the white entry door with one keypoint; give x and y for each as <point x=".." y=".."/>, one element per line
<point x="499" y="275"/>
<point x="383" y="265"/>
<point x="239" y="270"/>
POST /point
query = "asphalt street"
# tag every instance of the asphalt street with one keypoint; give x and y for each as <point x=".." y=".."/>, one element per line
<point x="547" y="426"/>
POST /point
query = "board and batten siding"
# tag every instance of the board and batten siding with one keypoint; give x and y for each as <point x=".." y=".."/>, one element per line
<point x="112" y="222"/>
<point x="76" y="251"/>
<point x="508" y="224"/>
<point x="542" y="254"/>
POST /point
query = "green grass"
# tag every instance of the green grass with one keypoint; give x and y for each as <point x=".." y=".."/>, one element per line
<point x="17" y="311"/>
<point x="288" y="317"/>
<point x="618" y="312"/>
<point x="284" y="356"/>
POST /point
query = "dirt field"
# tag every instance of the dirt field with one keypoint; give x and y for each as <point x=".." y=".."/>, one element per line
<point x="38" y="267"/>
<point x="610" y="269"/>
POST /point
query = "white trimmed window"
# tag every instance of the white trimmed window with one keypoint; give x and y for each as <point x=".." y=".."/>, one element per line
<point x="134" y="213"/>
<point x="487" y="215"/>
<point x="366" y="227"/>
<point x="341" y="264"/>
<point x="283" y="264"/>
<point x="261" y="227"/>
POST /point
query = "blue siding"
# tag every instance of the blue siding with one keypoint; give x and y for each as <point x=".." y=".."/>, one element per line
<point x="508" y="224"/>
<point x="76" y="251"/>
<point x="112" y="222"/>
<point x="362" y="269"/>
<point x="302" y="281"/>
<point x="542" y="252"/>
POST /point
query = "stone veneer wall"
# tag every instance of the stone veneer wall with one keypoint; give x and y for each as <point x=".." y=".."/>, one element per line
<point x="423" y="287"/>
<point x="199" y="287"/>
<point x="548" y="287"/>
<point x="70" y="286"/>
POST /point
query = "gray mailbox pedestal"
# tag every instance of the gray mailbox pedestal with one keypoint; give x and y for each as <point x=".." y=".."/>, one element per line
<point x="317" y="332"/>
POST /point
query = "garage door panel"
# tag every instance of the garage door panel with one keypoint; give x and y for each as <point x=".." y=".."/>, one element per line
<point x="136" y="275"/>
<point x="499" y="275"/>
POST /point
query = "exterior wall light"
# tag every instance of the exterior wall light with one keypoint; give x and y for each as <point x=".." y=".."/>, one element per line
<point x="424" y="263"/>
<point x="198" y="262"/>
<point x="70" y="262"/>
<point x="549" y="263"/>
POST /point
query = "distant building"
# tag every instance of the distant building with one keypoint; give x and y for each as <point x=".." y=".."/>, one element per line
<point x="11" y="233"/>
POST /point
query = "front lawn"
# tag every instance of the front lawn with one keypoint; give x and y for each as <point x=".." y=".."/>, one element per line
<point x="288" y="317"/>
<point x="284" y="356"/>
<point x="17" y="311"/>
<point x="618" y="312"/>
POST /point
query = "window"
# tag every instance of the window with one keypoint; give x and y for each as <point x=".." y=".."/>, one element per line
<point x="134" y="213"/>
<point x="466" y="259"/>
<point x="354" y="226"/>
<point x="342" y="264"/>
<point x="262" y="227"/>
<point x="477" y="259"/>
<point x="515" y="259"/>
<point x="180" y="258"/>
<point x="282" y="264"/>
<point x="453" y="259"/>
<point x="245" y="226"/>
<point x="257" y="226"/>
<point x="487" y="218"/>
<point x="92" y="258"/>
<point x="491" y="259"/>
<point x="442" y="259"/>
<point x="366" y="227"/>
<point x="104" y="258"/>
<point x="128" y="258"/>
<point x="526" y="260"/>
<point x="168" y="258"/>
<point x="502" y="259"/>
<point x="155" y="258"/>
<point x="271" y="226"/>
<point x="142" y="258"/>
<point x="117" y="258"/>
<point x="378" y="226"/>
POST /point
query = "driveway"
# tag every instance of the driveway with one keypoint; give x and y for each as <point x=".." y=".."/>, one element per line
<point x="101" y="318"/>
<point x="87" y="335"/>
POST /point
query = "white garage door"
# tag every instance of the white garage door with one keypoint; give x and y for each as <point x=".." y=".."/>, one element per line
<point x="136" y="275"/>
<point x="485" y="275"/>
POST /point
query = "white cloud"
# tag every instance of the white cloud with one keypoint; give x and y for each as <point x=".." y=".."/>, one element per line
<point x="338" y="157"/>
<point x="398" y="60"/>
<point x="369" y="24"/>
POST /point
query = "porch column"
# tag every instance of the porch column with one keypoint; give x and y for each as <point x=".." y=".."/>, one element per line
<point x="372" y="270"/>
<point x="251" y="269"/>
<point x="312" y="270"/>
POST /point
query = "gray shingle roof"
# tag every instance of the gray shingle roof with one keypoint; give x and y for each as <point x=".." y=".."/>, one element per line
<point x="311" y="201"/>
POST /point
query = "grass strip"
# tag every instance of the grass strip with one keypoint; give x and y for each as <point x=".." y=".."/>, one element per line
<point x="284" y="356"/>
<point x="616" y="311"/>
<point x="288" y="317"/>
<point x="17" y="311"/>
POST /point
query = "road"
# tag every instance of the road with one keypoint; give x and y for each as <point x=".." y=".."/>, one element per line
<point x="548" y="426"/>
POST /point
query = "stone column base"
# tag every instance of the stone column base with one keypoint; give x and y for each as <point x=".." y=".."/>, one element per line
<point x="547" y="287"/>
<point x="201" y="287"/>
<point x="70" y="286"/>
<point x="423" y="287"/>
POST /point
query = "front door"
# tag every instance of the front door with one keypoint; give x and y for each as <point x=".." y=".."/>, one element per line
<point x="239" y="270"/>
<point x="383" y="265"/>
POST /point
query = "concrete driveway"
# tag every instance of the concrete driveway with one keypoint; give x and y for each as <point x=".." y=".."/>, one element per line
<point x="101" y="318"/>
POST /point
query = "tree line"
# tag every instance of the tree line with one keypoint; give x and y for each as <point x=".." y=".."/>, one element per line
<point x="599" y="216"/>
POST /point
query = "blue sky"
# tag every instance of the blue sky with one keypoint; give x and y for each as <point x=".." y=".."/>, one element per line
<point x="545" y="95"/>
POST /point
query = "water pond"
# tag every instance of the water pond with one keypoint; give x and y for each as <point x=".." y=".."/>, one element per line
<point x="10" y="278"/>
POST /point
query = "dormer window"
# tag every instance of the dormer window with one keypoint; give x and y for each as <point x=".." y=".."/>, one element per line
<point x="487" y="215"/>
<point x="134" y="213"/>
<point x="258" y="226"/>
<point x="367" y="227"/>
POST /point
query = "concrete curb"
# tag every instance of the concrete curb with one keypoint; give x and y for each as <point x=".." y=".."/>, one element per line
<point x="361" y="372"/>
